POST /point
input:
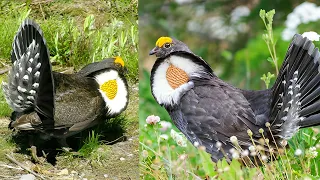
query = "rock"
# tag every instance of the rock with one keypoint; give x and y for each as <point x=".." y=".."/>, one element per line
<point x="27" y="177"/>
<point x="63" y="172"/>
<point x="74" y="172"/>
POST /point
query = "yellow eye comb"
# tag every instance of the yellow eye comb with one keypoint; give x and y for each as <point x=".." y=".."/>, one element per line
<point x="163" y="40"/>
<point x="119" y="60"/>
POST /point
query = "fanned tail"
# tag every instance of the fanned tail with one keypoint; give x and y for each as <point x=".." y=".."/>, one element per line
<point x="30" y="82"/>
<point x="296" y="92"/>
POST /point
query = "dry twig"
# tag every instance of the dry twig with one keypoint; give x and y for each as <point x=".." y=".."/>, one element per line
<point x="23" y="166"/>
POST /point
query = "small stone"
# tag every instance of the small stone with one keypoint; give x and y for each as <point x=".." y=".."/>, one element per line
<point x="63" y="172"/>
<point x="130" y="155"/>
<point x="27" y="177"/>
<point x="122" y="159"/>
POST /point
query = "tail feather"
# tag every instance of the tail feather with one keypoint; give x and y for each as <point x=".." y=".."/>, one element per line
<point x="30" y="81"/>
<point x="297" y="89"/>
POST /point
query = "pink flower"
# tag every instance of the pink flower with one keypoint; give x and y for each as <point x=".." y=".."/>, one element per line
<point x="165" y="125"/>
<point x="152" y="120"/>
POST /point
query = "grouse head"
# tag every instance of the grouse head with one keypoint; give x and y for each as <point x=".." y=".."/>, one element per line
<point x="175" y="67"/>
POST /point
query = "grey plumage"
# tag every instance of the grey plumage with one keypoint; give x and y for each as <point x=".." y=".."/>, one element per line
<point x="213" y="111"/>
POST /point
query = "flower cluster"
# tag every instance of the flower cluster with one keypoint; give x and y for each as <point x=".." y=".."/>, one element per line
<point x="218" y="27"/>
<point x="165" y="125"/>
<point x="178" y="138"/>
<point x="312" y="152"/>
<point x="152" y="119"/>
<point x="302" y="14"/>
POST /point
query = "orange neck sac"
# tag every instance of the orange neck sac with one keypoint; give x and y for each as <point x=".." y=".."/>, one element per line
<point x="176" y="76"/>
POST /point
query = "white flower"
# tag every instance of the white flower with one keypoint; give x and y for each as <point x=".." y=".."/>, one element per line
<point x="179" y="138"/>
<point x="239" y="12"/>
<point x="252" y="148"/>
<point x="165" y="125"/>
<point x="234" y="139"/>
<point x="183" y="1"/>
<point x="245" y="153"/>
<point x="232" y="150"/>
<point x="164" y="136"/>
<point x="288" y="34"/>
<point x="302" y="14"/>
<point x="173" y="134"/>
<point x="182" y="142"/>
<point x="298" y="152"/>
<point x="312" y="36"/>
<point x="307" y="12"/>
<point x="264" y="158"/>
<point x="218" y="144"/>
<point x="145" y="153"/>
<point x="183" y="156"/>
<point x="235" y="155"/>
<point x="253" y="153"/>
<point x="312" y="152"/>
<point x="292" y="21"/>
<point x="284" y="143"/>
<point x="196" y="144"/>
<point x="152" y="120"/>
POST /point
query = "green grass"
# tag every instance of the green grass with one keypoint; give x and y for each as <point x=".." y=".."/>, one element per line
<point x="78" y="33"/>
<point x="5" y="109"/>
<point x="75" y="40"/>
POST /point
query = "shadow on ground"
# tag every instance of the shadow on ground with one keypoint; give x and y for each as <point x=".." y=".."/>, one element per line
<point x="108" y="133"/>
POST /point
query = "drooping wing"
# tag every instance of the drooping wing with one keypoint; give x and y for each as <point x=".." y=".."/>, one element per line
<point x="214" y="111"/>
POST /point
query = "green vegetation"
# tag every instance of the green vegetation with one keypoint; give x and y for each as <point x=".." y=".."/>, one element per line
<point x="249" y="63"/>
<point x="78" y="33"/>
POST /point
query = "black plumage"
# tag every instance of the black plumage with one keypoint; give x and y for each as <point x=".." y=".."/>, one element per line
<point x="56" y="104"/>
<point x="211" y="110"/>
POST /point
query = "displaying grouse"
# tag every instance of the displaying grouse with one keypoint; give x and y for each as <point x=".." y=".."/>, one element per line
<point x="56" y="104"/>
<point x="209" y="111"/>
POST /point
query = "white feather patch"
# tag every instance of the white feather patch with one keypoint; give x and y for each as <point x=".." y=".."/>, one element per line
<point x="161" y="88"/>
<point x="26" y="126"/>
<point x="116" y="104"/>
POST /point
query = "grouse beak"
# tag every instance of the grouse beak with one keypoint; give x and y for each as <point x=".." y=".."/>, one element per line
<point x="154" y="51"/>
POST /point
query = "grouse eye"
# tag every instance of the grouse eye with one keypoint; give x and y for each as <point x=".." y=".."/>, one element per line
<point x="167" y="45"/>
